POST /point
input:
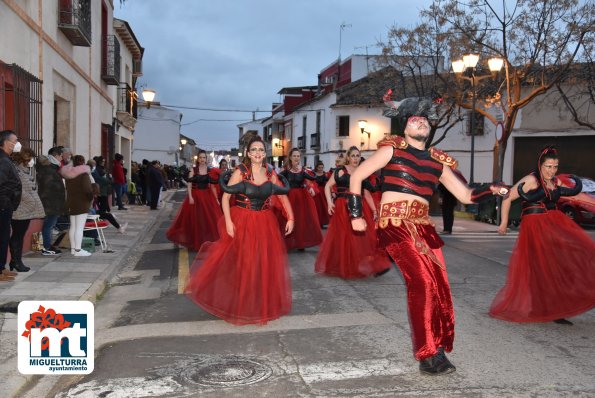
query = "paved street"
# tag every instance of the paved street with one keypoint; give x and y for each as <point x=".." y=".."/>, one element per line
<point x="342" y="338"/>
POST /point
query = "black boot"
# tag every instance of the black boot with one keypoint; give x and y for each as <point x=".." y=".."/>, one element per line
<point x="16" y="252"/>
<point x="563" y="321"/>
<point x="436" y="365"/>
<point x="19" y="267"/>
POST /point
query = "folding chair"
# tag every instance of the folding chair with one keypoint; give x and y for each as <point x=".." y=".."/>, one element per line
<point x="94" y="223"/>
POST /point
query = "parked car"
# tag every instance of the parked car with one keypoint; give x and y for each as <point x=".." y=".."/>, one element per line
<point x="580" y="208"/>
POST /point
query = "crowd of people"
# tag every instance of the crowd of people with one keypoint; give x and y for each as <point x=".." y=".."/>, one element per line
<point x="62" y="190"/>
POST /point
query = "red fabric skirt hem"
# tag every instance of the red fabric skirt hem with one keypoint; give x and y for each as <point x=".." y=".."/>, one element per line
<point x="349" y="254"/>
<point x="551" y="272"/>
<point x="197" y="223"/>
<point x="244" y="279"/>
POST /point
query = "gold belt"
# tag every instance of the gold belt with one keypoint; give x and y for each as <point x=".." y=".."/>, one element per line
<point x="395" y="212"/>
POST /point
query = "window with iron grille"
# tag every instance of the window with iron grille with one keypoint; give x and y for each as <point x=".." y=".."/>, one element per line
<point x="343" y="126"/>
<point x="20" y="105"/>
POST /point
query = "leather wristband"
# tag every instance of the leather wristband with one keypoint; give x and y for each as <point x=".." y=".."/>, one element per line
<point x="484" y="192"/>
<point x="354" y="205"/>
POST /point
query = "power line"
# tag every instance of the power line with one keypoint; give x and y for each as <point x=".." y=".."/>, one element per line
<point x="213" y="120"/>
<point x="214" y="109"/>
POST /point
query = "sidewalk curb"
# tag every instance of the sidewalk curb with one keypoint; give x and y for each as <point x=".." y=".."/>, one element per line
<point x="96" y="289"/>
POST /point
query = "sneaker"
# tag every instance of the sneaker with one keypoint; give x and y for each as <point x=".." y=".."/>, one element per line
<point x="81" y="253"/>
<point x="437" y="364"/>
<point x="46" y="252"/>
<point x="122" y="208"/>
<point x="55" y="250"/>
<point x="123" y="227"/>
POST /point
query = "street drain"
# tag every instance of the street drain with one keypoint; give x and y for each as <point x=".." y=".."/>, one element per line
<point x="227" y="372"/>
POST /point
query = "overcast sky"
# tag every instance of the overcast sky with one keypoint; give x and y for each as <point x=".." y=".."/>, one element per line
<point x="237" y="54"/>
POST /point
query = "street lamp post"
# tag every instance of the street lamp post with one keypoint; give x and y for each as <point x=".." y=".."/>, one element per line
<point x="468" y="64"/>
<point x="148" y="97"/>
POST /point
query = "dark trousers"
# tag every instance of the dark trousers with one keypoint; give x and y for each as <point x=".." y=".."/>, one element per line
<point x="154" y="196"/>
<point x="109" y="217"/>
<point x="5" y="218"/>
<point x="448" y="216"/>
<point x="19" y="228"/>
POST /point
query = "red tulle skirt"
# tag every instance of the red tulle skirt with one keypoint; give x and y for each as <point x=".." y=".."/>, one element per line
<point x="244" y="279"/>
<point x="551" y="273"/>
<point x="196" y="224"/>
<point x="349" y="254"/>
<point x="321" y="208"/>
<point x="306" y="230"/>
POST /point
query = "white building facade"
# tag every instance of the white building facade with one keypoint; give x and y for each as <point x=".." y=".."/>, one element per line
<point x="157" y="134"/>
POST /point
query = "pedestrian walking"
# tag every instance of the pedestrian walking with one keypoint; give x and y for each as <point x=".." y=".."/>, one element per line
<point x="243" y="277"/>
<point x="411" y="176"/>
<point x="551" y="272"/>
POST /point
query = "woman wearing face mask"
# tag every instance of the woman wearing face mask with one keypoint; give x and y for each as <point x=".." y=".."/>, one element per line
<point x="347" y="253"/>
<point x="551" y="272"/>
<point x="243" y="278"/>
<point x="196" y="221"/>
<point x="307" y="226"/>
<point x="30" y="208"/>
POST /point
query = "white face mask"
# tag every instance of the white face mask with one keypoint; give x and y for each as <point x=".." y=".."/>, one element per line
<point x="17" y="147"/>
<point x="31" y="163"/>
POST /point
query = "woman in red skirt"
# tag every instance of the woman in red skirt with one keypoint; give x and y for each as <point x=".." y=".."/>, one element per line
<point x="243" y="278"/>
<point x="319" y="199"/>
<point x="551" y="274"/>
<point x="307" y="227"/>
<point x="344" y="252"/>
<point x="196" y="221"/>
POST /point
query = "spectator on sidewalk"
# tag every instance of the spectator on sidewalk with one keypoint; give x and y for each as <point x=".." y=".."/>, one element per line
<point x="78" y="202"/>
<point x="154" y="183"/>
<point x="10" y="196"/>
<point x="52" y="194"/>
<point x="29" y="208"/>
<point x="119" y="180"/>
<point x="103" y="214"/>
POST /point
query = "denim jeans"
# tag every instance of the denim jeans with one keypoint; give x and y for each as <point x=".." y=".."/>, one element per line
<point x="46" y="231"/>
<point x="119" y="190"/>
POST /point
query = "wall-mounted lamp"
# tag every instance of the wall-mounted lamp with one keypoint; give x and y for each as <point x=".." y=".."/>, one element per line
<point x="148" y="97"/>
<point x="239" y="154"/>
<point x="183" y="141"/>
<point x="195" y="158"/>
<point x="277" y="143"/>
<point x="180" y="148"/>
<point x="362" y="126"/>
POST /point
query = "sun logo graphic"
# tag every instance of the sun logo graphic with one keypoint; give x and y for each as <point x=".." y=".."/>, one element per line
<point x="56" y="337"/>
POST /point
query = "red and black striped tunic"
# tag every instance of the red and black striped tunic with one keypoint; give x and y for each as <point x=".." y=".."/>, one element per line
<point x="411" y="170"/>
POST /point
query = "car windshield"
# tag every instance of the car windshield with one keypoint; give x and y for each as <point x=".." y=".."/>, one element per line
<point x="588" y="185"/>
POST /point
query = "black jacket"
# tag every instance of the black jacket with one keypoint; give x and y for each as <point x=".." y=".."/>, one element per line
<point x="10" y="183"/>
<point x="50" y="187"/>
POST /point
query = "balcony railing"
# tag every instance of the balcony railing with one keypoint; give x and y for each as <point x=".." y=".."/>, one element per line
<point x="127" y="100"/>
<point x="315" y="140"/>
<point x="110" y="71"/>
<point x="302" y="142"/>
<point x="74" y="20"/>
